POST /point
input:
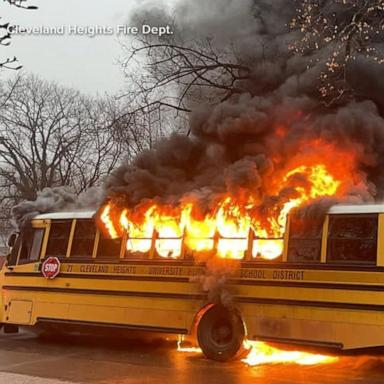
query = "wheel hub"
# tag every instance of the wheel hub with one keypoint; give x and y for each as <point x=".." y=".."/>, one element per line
<point x="222" y="333"/>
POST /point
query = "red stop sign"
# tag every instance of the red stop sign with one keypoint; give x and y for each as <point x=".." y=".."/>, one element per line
<point x="50" y="267"/>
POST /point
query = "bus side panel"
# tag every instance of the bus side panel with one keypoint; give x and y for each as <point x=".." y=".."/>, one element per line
<point x="151" y="312"/>
<point x="344" y="328"/>
<point x="19" y="312"/>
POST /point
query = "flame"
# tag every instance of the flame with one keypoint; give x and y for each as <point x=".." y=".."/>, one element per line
<point x="106" y="219"/>
<point x="182" y="348"/>
<point x="239" y="224"/>
<point x="262" y="353"/>
<point x="232" y="229"/>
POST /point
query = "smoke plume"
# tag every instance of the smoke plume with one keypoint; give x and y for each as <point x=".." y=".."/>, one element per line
<point x="234" y="145"/>
<point x="274" y="121"/>
<point x="277" y="119"/>
<point x="55" y="200"/>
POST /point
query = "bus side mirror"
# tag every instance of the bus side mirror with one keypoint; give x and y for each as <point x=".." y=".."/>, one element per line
<point x="11" y="240"/>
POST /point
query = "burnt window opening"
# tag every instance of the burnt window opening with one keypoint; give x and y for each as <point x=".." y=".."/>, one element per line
<point x="168" y="248"/>
<point x="83" y="239"/>
<point x="58" y="238"/>
<point x="304" y="243"/>
<point x="352" y="239"/>
<point x="108" y="248"/>
<point x="138" y="255"/>
<point x="139" y="248"/>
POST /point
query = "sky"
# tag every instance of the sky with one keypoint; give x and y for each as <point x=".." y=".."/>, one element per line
<point x="85" y="63"/>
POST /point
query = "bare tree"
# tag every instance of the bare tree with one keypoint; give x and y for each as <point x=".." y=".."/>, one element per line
<point x="20" y="4"/>
<point x="137" y="130"/>
<point x="5" y="35"/>
<point x="187" y="68"/>
<point x="167" y="76"/>
<point x="345" y="30"/>
<point x="52" y="136"/>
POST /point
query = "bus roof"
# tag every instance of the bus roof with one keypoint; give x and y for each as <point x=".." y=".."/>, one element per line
<point x="335" y="210"/>
<point x="356" y="208"/>
<point x="66" y="215"/>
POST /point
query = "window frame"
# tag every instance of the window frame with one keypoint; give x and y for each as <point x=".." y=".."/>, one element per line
<point x="72" y="237"/>
<point x="350" y="262"/>
<point x="69" y="241"/>
<point x="103" y="258"/>
<point x="14" y="253"/>
<point x="289" y="238"/>
<point x="19" y="244"/>
<point x="42" y="230"/>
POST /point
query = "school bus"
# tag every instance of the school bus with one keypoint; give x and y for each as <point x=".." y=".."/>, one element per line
<point x="326" y="289"/>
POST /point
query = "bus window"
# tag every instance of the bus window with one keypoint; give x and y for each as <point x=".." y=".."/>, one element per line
<point x="31" y="241"/>
<point x="168" y="248"/>
<point x="25" y="248"/>
<point x="304" y="243"/>
<point x="83" y="239"/>
<point x="138" y="248"/>
<point x="27" y="239"/>
<point x="36" y="244"/>
<point x="352" y="238"/>
<point x="14" y="252"/>
<point x="58" y="238"/>
<point x="108" y="248"/>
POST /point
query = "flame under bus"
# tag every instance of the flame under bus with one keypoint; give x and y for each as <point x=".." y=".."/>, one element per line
<point x="326" y="288"/>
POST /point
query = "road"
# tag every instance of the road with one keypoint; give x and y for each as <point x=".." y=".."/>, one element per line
<point x="28" y="359"/>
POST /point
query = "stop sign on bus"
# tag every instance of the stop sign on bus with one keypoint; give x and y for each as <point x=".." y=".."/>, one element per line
<point x="50" y="267"/>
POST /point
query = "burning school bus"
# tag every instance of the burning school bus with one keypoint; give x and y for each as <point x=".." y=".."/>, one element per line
<point x="321" y="284"/>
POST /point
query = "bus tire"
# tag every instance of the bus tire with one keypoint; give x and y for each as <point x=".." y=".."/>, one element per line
<point x="220" y="334"/>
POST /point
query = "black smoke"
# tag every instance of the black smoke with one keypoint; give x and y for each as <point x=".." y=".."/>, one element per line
<point x="233" y="145"/>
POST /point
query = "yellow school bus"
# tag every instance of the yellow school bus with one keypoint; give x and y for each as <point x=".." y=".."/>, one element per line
<point x="327" y="288"/>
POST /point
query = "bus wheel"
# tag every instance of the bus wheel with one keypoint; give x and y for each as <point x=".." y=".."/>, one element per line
<point x="220" y="334"/>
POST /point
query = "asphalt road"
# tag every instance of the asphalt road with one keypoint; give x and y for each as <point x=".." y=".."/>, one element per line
<point x="28" y="359"/>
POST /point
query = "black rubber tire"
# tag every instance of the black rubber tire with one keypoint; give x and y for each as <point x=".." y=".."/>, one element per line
<point x="220" y="334"/>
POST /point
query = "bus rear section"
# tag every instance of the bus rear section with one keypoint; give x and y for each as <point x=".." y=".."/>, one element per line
<point x="329" y="289"/>
<point x="326" y="288"/>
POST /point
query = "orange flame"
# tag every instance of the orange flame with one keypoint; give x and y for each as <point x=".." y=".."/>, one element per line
<point x="107" y="220"/>
<point x="262" y="353"/>
<point x="182" y="348"/>
<point x="236" y="226"/>
<point x="231" y="230"/>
